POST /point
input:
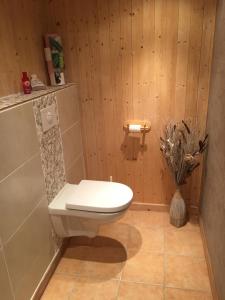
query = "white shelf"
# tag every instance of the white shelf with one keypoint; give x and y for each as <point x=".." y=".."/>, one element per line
<point x="16" y="99"/>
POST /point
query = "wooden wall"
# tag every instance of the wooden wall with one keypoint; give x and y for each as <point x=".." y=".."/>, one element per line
<point x="22" y="25"/>
<point x="137" y="59"/>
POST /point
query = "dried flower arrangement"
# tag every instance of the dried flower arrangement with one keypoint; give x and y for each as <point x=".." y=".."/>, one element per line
<point x="182" y="150"/>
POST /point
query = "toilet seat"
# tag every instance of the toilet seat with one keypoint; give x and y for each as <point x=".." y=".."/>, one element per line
<point x="93" y="197"/>
<point x="81" y="209"/>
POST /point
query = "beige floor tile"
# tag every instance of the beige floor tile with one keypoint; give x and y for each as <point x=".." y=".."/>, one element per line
<point x="184" y="242"/>
<point x="187" y="272"/>
<point x="101" y="262"/>
<point x="73" y="261"/>
<point x="177" y="294"/>
<point x="144" y="267"/>
<point x="145" y="218"/>
<point x="59" y="288"/>
<point x="133" y="248"/>
<point x="139" y="291"/>
<point x="90" y="289"/>
<point x="117" y="231"/>
<point x="104" y="262"/>
<point x="149" y="240"/>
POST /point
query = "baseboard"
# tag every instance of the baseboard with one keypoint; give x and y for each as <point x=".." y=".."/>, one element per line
<point x="49" y="272"/>
<point x="149" y="206"/>
<point x="208" y="261"/>
<point x="193" y="210"/>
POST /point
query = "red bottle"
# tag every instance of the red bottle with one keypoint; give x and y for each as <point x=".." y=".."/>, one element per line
<point x="26" y="83"/>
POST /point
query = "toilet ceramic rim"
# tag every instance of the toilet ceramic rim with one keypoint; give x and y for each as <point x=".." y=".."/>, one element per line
<point x="92" y="196"/>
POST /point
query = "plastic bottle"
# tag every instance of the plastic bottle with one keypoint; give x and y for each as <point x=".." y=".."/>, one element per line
<point x="36" y="83"/>
<point x="26" y="83"/>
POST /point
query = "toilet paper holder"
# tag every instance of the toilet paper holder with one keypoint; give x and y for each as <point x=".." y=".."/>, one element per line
<point x="137" y="126"/>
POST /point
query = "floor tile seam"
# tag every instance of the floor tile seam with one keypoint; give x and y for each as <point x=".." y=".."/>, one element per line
<point x="185" y="255"/>
<point x="79" y="275"/>
<point x="188" y="289"/>
<point x="161" y="252"/>
<point x="118" y="289"/>
<point x="165" y="228"/>
<point x="146" y="252"/>
<point x="70" y="293"/>
<point x="141" y="282"/>
<point x="146" y="226"/>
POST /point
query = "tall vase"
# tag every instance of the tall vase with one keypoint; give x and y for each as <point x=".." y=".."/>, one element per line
<point x="178" y="211"/>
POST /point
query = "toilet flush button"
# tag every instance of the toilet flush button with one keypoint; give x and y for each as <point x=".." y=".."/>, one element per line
<point x="48" y="117"/>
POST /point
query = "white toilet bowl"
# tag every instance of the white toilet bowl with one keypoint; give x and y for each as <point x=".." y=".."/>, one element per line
<point x="81" y="209"/>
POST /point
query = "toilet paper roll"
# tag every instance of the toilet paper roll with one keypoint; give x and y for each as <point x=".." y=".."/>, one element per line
<point x="134" y="128"/>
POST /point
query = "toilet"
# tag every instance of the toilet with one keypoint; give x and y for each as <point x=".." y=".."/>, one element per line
<point x="81" y="209"/>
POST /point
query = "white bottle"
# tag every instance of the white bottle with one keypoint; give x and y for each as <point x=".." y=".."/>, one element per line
<point x="36" y="83"/>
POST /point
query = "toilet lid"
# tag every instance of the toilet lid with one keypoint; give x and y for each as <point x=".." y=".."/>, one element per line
<point x="98" y="196"/>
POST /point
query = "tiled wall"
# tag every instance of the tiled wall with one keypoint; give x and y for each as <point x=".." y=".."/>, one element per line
<point x="70" y="127"/>
<point x="27" y="243"/>
<point x="213" y="199"/>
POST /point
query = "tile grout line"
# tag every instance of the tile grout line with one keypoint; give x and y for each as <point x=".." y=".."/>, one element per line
<point x="70" y="127"/>
<point x="79" y="275"/>
<point x="7" y="270"/>
<point x="163" y="286"/>
<point x="118" y="289"/>
<point x="80" y="155"/>
<point x="143" y="282"/>
<point x="188" y="289"/>
<point x="120" y="280"/>
<point x="43" y="197"/>
<point x="21" y="165"/>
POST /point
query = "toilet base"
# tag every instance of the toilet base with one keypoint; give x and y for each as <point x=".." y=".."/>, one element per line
<point x="68" y="226"/>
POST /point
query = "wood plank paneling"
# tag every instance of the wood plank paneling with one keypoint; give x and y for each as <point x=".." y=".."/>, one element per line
<point x="141" y="59"/>
<point x="22" y="26"/>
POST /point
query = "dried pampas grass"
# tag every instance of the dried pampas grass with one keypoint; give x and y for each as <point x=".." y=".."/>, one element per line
<point x="182" y="149"/>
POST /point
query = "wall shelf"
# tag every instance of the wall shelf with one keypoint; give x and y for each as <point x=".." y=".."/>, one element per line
<point x="16" y="99"/>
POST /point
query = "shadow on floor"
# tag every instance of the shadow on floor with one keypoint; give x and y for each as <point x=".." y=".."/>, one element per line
<point x="123" y="243"/>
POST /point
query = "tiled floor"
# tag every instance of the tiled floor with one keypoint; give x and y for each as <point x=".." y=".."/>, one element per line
<point x="140" y="257"/>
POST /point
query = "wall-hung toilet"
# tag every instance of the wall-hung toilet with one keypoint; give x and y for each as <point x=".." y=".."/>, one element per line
<point x="81" y="209"/>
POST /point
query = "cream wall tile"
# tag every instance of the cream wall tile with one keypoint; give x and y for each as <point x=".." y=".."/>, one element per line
<point x="20" y="193"/>
<point x="5" y="290"/>
<point x="72" y="145"/>
<point x="68" y="107"/>
<point x="76" y="172"/>
<point x="29" y="252"/>
<point x="18" y="137"/>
